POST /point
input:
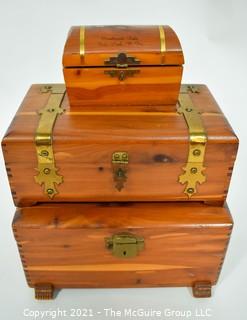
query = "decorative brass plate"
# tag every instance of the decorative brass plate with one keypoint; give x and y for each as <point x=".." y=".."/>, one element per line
<point x="48" y="176"/>
<point x="122" y="61"/>
<point x="193" y="170"/>
<point x="125" y="245"/>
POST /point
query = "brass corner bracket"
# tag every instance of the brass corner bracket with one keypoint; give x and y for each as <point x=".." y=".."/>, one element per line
<point x="189" y="88"/>
<point x="194" y="168"/>
<point x="47" y="172"/>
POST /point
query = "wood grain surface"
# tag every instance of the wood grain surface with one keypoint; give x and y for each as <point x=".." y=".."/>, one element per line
<point x="151" y="86"/>
<point x="83" y="143"/>
<point x="64" y="245"/>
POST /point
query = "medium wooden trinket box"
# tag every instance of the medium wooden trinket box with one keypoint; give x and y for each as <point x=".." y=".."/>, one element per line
<point x="56" y="153"/>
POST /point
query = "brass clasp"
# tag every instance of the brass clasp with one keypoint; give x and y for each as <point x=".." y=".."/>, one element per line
<point x="122" y="62"/>
<point x="124" y="245"/>
<point x="120" y="160"/>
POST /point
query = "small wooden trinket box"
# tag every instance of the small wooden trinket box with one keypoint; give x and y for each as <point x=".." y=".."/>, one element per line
<point x="122" y="66"/>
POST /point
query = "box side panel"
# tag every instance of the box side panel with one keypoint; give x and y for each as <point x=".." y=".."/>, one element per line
<point x="14" y="135"/>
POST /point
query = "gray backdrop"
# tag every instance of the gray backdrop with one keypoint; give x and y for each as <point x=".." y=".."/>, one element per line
<point x="213" y="36"/>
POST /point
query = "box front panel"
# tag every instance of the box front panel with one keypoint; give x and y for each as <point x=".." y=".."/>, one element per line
<point x="123" y="87"/>
<point x="145" y="182"/>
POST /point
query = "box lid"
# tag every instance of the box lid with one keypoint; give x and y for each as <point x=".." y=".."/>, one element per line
<point x="122" y="46"/>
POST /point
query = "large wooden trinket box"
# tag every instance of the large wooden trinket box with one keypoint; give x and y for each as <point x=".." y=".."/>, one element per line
<point x="122" y="66"/>
<point x="122" y="245"/>
<point x="57" y="153"/>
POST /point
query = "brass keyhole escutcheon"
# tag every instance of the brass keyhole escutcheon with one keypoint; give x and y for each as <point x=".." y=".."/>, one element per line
<point x="121" y="74"/>
<point x="124" y="245"/>
<point x="120" y="173"/>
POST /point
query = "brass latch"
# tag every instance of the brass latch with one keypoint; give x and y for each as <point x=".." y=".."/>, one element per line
<point x="193" y="169"/>
<point x="47" y="171"/>
<point x="121" y="62"/>
<point x="125" y="245"/>
<point x="120" y="160"/>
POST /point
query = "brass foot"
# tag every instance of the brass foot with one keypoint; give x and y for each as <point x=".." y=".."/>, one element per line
<point x="44" y="291"/>
<point x="202" y="289"/>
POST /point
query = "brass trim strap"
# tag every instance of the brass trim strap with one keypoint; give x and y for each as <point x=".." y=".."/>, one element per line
<point x="193" y="169"/>
<point x="47" y="172"/>
<point x="162" y="43"/>
<point x="82" y="42"/>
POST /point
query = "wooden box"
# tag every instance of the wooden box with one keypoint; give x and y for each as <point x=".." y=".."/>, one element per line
<point x="122" y="66"/>
<point x="57" y="153"/>
<point x="122" y="245"/>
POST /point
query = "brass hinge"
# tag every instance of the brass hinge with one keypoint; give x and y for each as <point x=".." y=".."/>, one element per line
<point x="193" y="170"/>
<point x="47" y="172"/>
